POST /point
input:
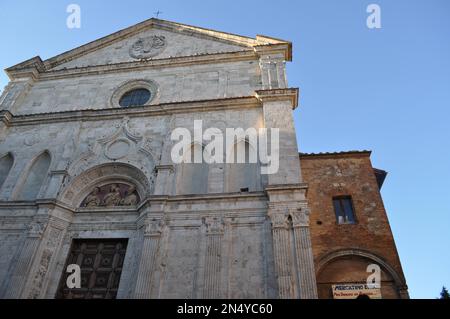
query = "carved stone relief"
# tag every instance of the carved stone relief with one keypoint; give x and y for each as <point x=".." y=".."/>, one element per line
<point x="52" y="242"/>
<point x="31" y="139"/>
<point x="148" y="47"/>
<point x="112" y="195"/>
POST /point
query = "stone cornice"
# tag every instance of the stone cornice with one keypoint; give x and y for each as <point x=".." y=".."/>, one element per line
<point x="148" y="201"/>
<point x="153" y="110"/>
<point x="37" y="70"/>
<point x="286" y="187"/>
<point x="140" y="111"/>
<point x="289" y="94"/>
<point x="212" y="58"/>
<point x="284" y="48"/>
<point x="287" y="192"/>
<point x="215" y="197"/>
<point x="6" y="117"/>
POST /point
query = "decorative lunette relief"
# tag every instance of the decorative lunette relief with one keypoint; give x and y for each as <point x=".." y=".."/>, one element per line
<point x="112" y="195"/>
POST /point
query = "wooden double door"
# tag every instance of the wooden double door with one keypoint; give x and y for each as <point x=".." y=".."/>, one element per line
<point x="101" y="262"/>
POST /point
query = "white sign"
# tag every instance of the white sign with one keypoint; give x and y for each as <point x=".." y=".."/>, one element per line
<point x="353" y="291"/>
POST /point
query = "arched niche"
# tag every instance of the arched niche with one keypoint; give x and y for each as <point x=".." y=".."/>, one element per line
<point x="80" y="187"/>
<point x="350" y="267"/>
<point x="35" y="177"/>
<point x="6" y="163"/>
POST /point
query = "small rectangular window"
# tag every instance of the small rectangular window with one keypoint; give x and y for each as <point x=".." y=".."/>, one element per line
<point x="343" y="208"/>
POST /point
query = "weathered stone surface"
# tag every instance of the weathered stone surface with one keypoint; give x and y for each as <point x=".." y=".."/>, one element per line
<point x="219" y="242"/>
<point x="214" y="244"/>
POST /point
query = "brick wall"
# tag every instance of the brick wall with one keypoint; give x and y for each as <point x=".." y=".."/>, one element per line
<point x="343" y="174"/>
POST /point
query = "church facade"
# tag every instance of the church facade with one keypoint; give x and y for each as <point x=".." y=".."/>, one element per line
<point x="87" y="177"/>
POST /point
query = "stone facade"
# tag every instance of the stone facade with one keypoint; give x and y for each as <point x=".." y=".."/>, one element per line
<point x="76" y="153"/>
<point x="75" y="165"/>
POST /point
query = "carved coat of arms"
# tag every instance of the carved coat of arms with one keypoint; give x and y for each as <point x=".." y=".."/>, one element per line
<point x="148" y="47"/>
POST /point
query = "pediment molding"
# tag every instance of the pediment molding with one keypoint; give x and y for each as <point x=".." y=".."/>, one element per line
<point x="36" y="66"/>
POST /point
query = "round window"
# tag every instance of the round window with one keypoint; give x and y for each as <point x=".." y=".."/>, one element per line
<point x="136" y="97"/>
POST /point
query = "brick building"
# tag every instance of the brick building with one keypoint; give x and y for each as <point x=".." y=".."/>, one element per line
<point x="349" y="226"/>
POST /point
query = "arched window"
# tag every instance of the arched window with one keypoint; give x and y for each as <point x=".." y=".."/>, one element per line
<point x="194" y="176"/>
<point x="243" y="176"/>
<point x="6" y="162"/>
<point x="36" y="177"/>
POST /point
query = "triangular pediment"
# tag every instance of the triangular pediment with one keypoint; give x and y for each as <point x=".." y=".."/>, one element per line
<point x="154" y="39"/>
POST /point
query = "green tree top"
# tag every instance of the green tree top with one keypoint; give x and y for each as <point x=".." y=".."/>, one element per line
<point x="444" y="293"/>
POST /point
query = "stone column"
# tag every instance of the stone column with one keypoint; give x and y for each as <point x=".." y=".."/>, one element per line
<point x="303" y="254"/>
<point x="213" y="259"/>
<point x="147" y="266"/>
<point x="282" y="252"/>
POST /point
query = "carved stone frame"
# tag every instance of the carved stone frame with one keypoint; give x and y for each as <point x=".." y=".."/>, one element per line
<point x="150" y="85"/>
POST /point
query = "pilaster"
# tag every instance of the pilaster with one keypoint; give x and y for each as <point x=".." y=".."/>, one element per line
<point x="273" y="73"/>
<point x="45" y="239"/>
<point x="303" y="253"/>
<point x="213" y="261"/>
<point x="152" y="230"/>
<point x="277" y="112"/>
<point x="294" y="264"/>
<point x="18" y="277"/>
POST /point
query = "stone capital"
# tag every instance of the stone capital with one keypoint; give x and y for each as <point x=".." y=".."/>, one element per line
<point x="300" y="217"/>
<point x="36" y="229"/>
<point x="214" y="225"/>
<point x="154" y="228"/>
<point x="279" y="219"/>
<point x="277" y="95"/>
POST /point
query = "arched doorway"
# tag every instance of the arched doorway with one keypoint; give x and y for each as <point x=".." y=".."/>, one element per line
<point x="349" y="267"/>
<point x="102" y="238"/>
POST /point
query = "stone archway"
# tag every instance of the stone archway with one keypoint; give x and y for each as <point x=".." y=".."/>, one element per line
<point x="349" y="266"/>
<point x="81" y="186"/>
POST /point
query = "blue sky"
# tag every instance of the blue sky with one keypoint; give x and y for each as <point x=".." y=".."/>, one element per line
<point x="387" y="90"/>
